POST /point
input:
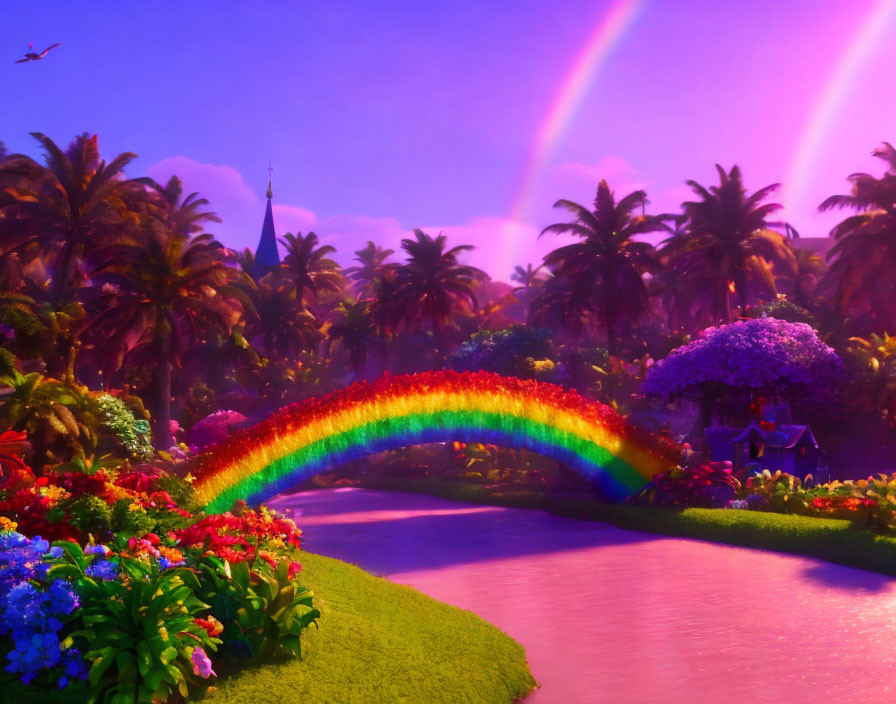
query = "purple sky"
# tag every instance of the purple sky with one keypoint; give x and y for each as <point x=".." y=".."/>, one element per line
<point x="381" y="117"/>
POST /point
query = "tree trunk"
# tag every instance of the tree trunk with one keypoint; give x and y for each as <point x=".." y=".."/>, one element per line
<point x="728" y="312"/>
<point x="706" y="406"/>
<point x="438" y="334"/>
<point x="358" y="358"/>
<point x="705" y="411"/>
<point x="63" y="274"/>
<point x="742" y="297"/>
<point x="611" y="334"/>
<point x="161" y="416"/>
<point x="384" y="352"/>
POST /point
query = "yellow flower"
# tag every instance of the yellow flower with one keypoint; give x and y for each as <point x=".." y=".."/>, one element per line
<point x="6" y="524"/>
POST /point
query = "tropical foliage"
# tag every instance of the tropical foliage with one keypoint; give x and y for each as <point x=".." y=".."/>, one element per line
<point x="725" y="251"/>
<point x="600" y="278"/>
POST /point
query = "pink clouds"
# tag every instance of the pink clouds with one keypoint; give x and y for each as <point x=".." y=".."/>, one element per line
<point x="501" y="242"/>
<point x="242" y="208"/>
<point x="349" y="233"/>
<point x="292" y="218"/>
<point x="235" y="202"/>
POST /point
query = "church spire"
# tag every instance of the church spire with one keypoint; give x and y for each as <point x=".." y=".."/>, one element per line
<point x="266" y="255"/>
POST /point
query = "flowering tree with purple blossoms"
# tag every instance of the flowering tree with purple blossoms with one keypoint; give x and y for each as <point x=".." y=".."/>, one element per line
<point x="766" y="356"/>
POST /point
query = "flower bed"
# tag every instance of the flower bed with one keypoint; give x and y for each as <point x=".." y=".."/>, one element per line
<point x="138" y="597"/>
<point x="870" y="501"/>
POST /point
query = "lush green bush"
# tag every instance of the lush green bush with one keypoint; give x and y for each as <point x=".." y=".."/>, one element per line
<point x="512" y="351"/>
<point x="134" y="435"/>
<point x="140" y="627"/>
<point x="262" y="608"/>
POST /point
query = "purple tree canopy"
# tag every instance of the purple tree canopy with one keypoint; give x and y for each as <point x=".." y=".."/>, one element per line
<point x="765" y="355"/>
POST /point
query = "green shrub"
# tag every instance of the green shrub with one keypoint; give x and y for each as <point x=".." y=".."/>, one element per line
<point x="264" y="610"/>
<point x="141" y="635"/>
<point x="129" y="518"/>
<point x="90" y="514"/>
<point x="134" y="435"/>
<point x="180" y="491"/>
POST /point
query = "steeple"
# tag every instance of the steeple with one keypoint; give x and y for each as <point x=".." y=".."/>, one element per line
<point x="266" y="255"/>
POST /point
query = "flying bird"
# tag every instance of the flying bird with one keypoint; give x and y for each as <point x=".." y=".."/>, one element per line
<point x="33" y="56"/>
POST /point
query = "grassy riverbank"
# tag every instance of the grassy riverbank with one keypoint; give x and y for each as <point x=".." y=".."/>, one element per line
<point x="834" y="540"/>
<point x="384" y="642"/>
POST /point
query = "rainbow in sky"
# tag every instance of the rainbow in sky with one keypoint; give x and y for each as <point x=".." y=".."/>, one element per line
<point x="441" y="406"/>
<point x="858" y="52"/>
<point x="607" y="34"/>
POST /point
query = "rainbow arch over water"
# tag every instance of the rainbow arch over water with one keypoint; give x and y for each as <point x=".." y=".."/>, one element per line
<point x="306" y="438"/>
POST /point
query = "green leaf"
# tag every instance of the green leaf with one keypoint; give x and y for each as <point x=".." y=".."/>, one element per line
<point x="101" y="665"/>
<point x="144" y="658"/>
<point x="153" y="679"/>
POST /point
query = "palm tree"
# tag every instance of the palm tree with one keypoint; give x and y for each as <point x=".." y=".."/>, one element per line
<point x="431" y="283"/>
<point x="72" y="203"/>
<point x="603" y="274"/>
<point x="864" y="257"/>
<point x="724" y="248"/>
<point x="161" y="288"/>
<point x="531" y="281"/>
<point x="281" y="327"/>
<point x="384" y="310"/>
<point x="308" y="267"/>
<point x="246" y="261"/>
<point x="809" y="270"/>
<point x="562" y="305"/>
<point x="356" y="331"/>
<point x="372" y="263"/>
<point x="184" y="215"/>
<point x="528" y="278"/>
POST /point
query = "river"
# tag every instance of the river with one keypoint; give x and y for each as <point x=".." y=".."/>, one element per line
<point x="612" y="615"/>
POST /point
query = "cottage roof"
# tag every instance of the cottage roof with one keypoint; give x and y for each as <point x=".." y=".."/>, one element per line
<point x="784" y="436"/>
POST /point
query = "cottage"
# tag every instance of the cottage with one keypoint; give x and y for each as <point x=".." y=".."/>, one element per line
<point x="790" y="448"/>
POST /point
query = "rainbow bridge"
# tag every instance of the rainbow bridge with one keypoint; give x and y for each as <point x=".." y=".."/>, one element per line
<point x="306" y="438"/>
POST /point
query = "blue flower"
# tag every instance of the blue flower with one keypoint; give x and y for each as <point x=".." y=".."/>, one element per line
<point x="63" y="599"/>
<point x="102" y="569"/>
<point x="33" y="612"/>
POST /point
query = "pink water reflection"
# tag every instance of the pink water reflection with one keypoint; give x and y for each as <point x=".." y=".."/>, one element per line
<point x="608" y="615"/>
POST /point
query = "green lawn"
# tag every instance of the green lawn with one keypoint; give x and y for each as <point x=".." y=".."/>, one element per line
<point x="834" y="540"/>
<point x="384" y="642"/>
